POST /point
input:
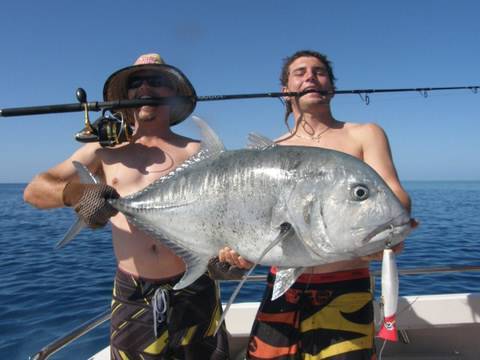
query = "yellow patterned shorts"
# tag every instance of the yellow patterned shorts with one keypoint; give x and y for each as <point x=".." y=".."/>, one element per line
<point x="322" y="316"/>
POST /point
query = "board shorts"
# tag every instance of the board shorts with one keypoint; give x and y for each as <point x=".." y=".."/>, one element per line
<point x="150" y="320"/>
<point x="322" y="316"/>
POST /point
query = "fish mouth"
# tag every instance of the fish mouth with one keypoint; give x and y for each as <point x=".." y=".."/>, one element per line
<point x="391" y="233"/>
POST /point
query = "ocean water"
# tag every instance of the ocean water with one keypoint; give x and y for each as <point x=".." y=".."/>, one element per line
<point x="45" y="293"/>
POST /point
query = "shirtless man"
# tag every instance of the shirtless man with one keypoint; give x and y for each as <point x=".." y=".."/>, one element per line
<point x="149" y="319"/>
<point x="308" y="320"/>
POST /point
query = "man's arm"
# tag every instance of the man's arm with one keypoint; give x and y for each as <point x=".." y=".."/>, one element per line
<point x="377" y="154"/>
<point x="45" y="191"/>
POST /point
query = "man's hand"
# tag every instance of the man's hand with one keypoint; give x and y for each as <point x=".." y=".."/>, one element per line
<point x="414" y="223"/>
<point x="224" y="271"/>
<point x="231" y="256"/>
<point x="228" y="265"/>
<point x="90" y="202"/>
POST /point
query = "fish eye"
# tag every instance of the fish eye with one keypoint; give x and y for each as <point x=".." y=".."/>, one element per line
<point x="360" y="192"/>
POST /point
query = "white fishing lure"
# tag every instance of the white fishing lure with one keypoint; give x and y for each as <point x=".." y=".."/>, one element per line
<point x="388" y="330"/>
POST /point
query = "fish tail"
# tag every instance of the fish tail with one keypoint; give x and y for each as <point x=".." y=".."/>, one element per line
<point x="71" y="233"/>
<point x="86" y="177"/>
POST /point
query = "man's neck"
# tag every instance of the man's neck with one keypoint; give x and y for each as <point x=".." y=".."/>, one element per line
<point x="146" y="134"/>
<point x="317" y="121"/>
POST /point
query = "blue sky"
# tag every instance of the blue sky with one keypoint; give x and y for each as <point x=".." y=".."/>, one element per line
<point x="49" y="48"/>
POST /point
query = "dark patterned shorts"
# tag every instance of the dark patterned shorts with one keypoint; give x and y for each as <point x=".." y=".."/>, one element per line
<point x="184" y="327"/>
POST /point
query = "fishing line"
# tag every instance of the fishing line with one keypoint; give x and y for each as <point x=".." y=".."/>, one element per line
<point x="381" y="350"/>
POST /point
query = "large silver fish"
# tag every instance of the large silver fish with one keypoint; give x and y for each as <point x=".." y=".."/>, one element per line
<point x="288" y="206"/>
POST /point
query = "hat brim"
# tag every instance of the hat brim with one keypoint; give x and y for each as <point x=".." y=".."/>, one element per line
<point x="115" y="88"/>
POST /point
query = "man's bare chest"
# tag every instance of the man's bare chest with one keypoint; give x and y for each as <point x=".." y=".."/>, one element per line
<point x="342" y="144"/>
<point x="129" y="175"/>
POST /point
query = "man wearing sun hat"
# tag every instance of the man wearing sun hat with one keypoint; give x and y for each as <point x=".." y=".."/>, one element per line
<point x="115" y="87"/>
<point x="149" y="319"/>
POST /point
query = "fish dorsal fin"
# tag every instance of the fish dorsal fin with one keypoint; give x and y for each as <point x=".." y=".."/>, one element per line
<point x="259" y="142"/>
<point x="211" y="142"/>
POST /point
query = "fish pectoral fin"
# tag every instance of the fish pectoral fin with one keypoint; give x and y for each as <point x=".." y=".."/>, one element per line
<point x="195" y="267"/>
<point x="284" y="279"/>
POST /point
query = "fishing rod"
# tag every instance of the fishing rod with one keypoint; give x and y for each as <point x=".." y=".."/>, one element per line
<point x="123" y="104"/>
<point x="110" y="130"/>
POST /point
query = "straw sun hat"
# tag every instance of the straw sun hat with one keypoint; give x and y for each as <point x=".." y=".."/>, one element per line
<point x="115" y="87"/>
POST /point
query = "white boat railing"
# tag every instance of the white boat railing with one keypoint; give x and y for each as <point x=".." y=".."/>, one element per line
<point x="88" y="326"/>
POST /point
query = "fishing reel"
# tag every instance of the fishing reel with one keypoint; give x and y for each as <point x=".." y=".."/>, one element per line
<point x="109" y="129"/>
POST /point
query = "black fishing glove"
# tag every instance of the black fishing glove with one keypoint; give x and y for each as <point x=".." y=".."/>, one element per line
<point x="219" y="270"/>
<point x="90" y="202"/>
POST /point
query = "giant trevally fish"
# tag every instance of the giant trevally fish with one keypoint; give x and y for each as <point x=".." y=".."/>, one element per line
<point x="286" y="206"/>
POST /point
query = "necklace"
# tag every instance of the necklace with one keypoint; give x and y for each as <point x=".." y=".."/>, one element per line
<point x="313" y="137"/>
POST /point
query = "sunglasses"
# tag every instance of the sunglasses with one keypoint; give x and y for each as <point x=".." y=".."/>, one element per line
<point x="153" y="81"/>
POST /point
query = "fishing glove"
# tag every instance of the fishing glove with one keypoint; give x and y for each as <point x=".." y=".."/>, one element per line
<point x="90" y="202"/>
<point x="220" y="270"/>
